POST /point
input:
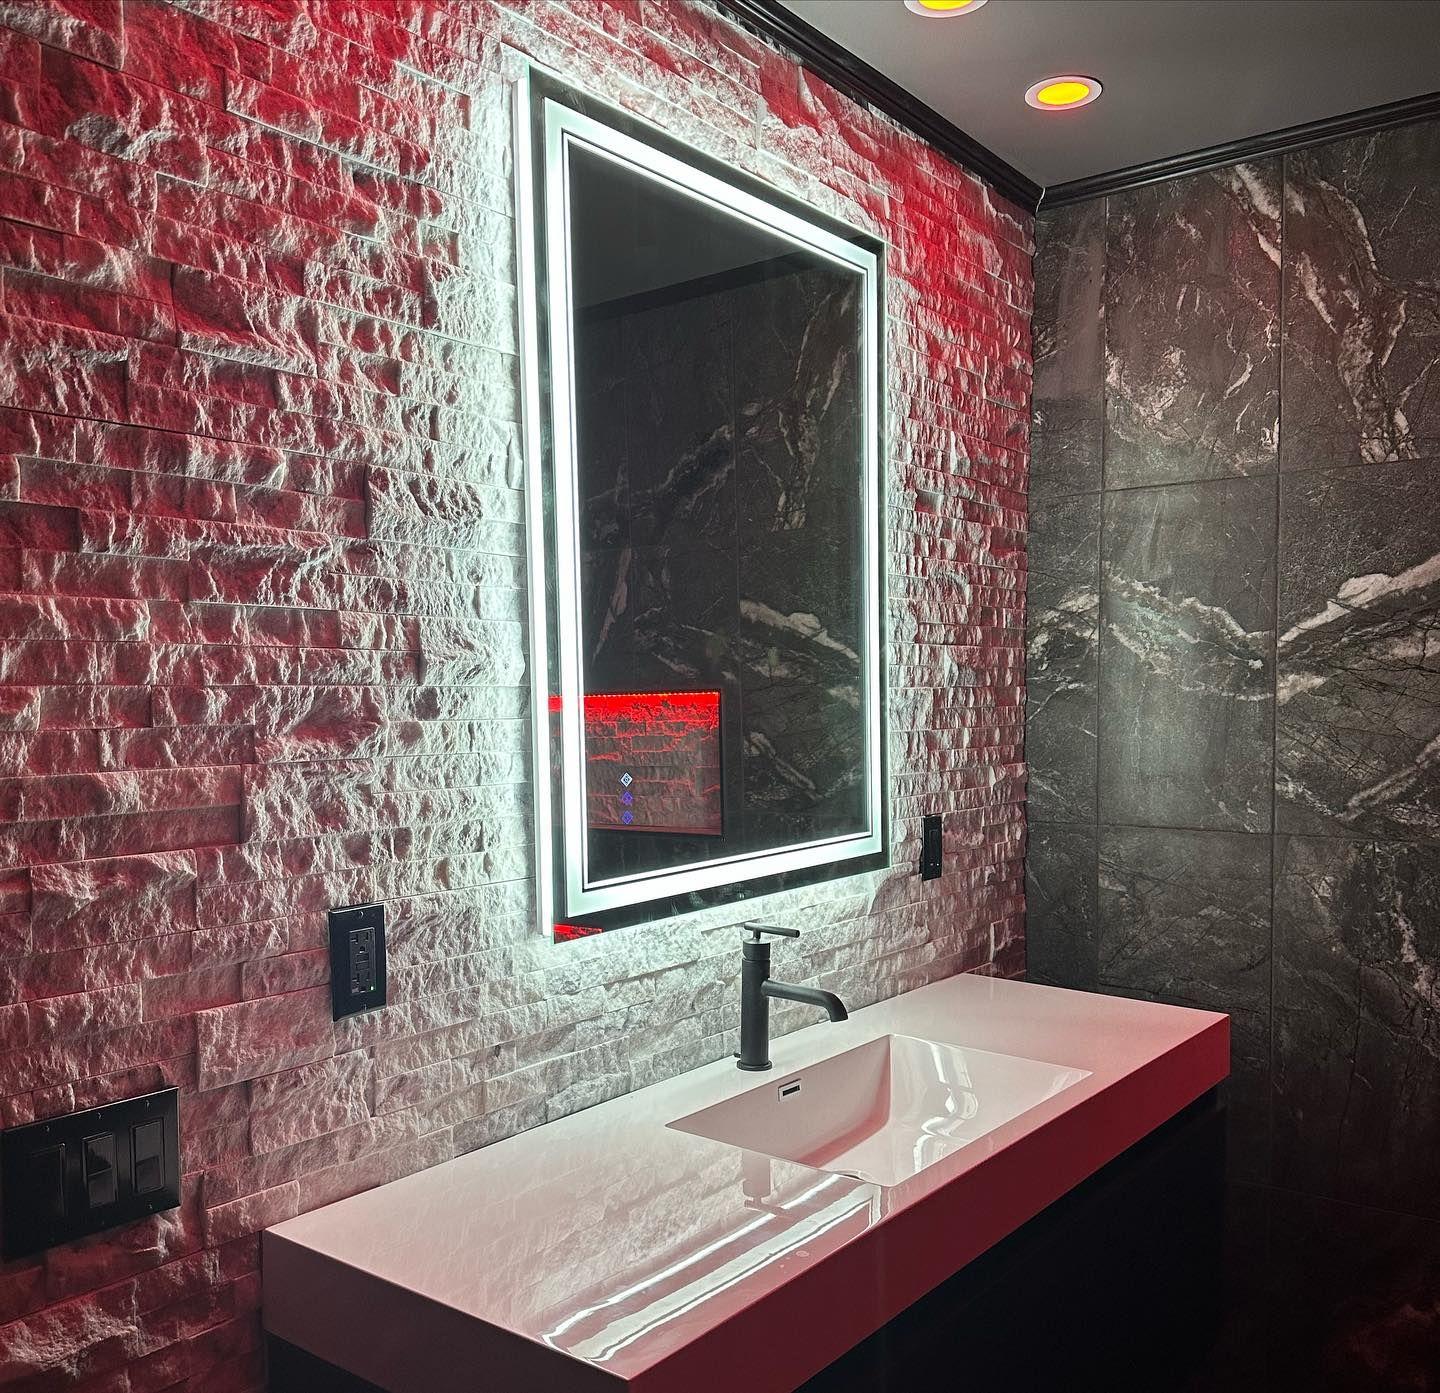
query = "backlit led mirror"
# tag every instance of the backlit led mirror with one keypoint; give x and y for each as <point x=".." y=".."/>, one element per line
<point x="702" y="372"/>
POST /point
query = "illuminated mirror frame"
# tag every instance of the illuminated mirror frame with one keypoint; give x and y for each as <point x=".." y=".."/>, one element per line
<point x="551" y="120"/>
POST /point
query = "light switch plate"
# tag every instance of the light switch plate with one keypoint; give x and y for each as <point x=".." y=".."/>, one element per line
<point x="70" y="1176"/>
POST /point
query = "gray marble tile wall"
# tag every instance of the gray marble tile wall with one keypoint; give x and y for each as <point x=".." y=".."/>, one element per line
<point x="1233" y="729"/>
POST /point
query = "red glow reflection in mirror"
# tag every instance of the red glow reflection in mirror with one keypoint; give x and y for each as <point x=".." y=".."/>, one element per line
<point x="564" y="933"/>
<point x="652" y="762"/>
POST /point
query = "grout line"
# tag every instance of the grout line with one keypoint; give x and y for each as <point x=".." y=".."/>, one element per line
<point x="1158" y="827"/>
<point x="1275" y="670"/>
<point x="1100" y="587"/>
<point x="1353" y="838"/>
<point x="1283" y="474"/>
<point x="1271" y="1187"/>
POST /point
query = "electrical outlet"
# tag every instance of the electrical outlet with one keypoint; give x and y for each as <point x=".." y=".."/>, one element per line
<point x="362" y="961"/>
<point x="357" y="958"/>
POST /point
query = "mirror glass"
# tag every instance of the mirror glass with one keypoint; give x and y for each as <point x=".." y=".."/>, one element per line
<point x="706" y="451"/>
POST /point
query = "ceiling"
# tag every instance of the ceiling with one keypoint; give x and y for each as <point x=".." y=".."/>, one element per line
<point x="1179" y="75"/>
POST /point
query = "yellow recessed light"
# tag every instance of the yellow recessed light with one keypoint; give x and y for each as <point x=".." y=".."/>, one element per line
<point x="1060" y="93"/>
<point x="934" y="9"/>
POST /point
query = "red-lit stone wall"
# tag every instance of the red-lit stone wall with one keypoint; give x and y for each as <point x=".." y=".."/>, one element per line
<point x="261" y="560"/>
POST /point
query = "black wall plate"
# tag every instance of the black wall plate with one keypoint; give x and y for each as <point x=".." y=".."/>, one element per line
<point x="75" y="1175"/>
<point x="357" y="958"/>
<point x="932" y="847"/>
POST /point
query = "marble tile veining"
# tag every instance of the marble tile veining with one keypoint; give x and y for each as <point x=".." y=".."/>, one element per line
<point x="1067" y="434"/>
<point x="1322" y="1295"/>
<point x="1358" y="680"/>
<point x="1357" y="1020"/>
<point x="1187" y="614"/>
<point x="1334" y="568"/>
<point x="1063" y="608"/>
<point x="1192" y="317"/>
<point x="1184" y="917"/>
<point x="1362" y="305"/>
<point x="1060" y="867"/>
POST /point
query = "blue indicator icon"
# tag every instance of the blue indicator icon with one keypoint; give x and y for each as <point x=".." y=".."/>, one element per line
<point x="627" y="817"/>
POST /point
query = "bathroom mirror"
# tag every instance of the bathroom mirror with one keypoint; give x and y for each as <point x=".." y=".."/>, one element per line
<point x="702" y="369"/>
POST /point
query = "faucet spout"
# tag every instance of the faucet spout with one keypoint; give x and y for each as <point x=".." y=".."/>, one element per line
<point x="758" y="988"/>
<point x="811" y="996"/>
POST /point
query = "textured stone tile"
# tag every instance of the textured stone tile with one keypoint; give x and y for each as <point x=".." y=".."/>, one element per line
<point x="1362" y="328"/>
<point x="95" y="31"/>
<point x="262" y="592"/>
<point x="1068" y="425"/>
<point x="104" y="900"/>
<point x="1357" y="1020"/>
<point x="94" y="1334"/>
<point x="252" y="1038"/>
<point x="1062" y="920"/>
<point x="1358" y="666"/>
<point x="1192" y="317"/>
<point x="1187" y="613"/>
<point x="1062" y="653"/>
<point x="1184" y="917"/>
<point x="297" y="1104"/>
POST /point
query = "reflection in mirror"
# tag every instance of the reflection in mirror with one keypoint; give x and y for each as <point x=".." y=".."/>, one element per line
<point x="711" y="530"/>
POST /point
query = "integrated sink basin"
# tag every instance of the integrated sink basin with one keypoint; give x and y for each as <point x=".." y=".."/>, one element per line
<point x="885" y="1110"/>
<point x="682" y="1282"/>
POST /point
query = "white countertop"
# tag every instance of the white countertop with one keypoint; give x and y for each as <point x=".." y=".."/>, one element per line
<point x="608" y="1250"/>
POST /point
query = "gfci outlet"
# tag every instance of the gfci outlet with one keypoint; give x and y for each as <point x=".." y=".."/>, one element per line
<point x="357" y="958"/>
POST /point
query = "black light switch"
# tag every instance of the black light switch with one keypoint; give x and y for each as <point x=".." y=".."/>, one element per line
<point x="47" y="1183"/>
<point x="147" y="1151"/>
<point x="70" y="1176"/>
<point x="357" y="958"/>
<point x="102" y="1185"/>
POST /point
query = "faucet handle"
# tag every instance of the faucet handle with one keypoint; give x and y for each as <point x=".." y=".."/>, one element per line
<point x="756" y="928"/>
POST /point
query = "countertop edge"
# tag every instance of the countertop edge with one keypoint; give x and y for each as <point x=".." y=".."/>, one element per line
<point x="443" y="1357"/>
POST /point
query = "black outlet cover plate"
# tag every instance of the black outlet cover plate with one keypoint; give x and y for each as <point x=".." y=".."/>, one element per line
<point x="357" y="983"/>
<point x="70" y="1176"/>
<point x="932" y="847"/>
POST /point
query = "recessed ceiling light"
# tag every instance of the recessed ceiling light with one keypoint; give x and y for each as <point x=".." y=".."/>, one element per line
<point x="1061" y="93"/>
<point x="943" y="9"/>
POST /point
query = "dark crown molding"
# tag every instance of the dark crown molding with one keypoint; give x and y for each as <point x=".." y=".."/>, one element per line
<point x="1254" y="147"/>
<point x="856" y="78"/>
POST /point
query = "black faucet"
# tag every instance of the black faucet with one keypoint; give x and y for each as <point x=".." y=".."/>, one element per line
<point x="757" y="987"/>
